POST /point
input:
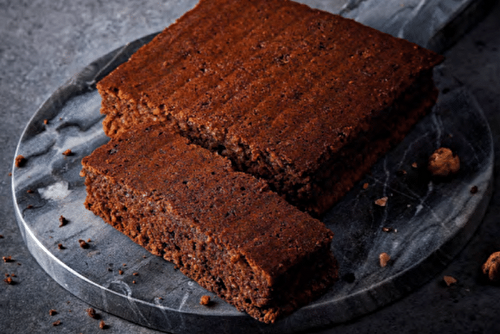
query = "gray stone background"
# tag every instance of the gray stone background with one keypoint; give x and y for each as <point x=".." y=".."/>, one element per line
<point x="43" y="43"/>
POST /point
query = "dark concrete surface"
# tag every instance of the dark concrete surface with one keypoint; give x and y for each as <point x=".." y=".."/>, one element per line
<point x="43" y="43"/>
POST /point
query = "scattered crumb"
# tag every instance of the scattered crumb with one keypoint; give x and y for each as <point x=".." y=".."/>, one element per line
<point x="120" y="272"/>
<point x="135" y="274"/>
<point x="18" y="264"/>
<point x="92" y="313"/>
<point x="52" y="312"/>
<point x="109" y="269"/>
<point x="29" y="191"/>
<point x="205" y="300"/>
<point x="386" y="229"/>
<point x="124" y="264"/>
<point x="20" y="161"/>
<point x="60" y="118"/>
<point x="384" y="259"/>
<point x="29" y="207"/>
<point x="8" y="280"/>
<point x="1" y="236"/>
<point x="395" y="230"/>
<point x="63" y="221"/>
<point x="449" y="280"/>
<point x="443" y="162"/>
<point x="160" y="298"/>
<point x="10" y="174"/>
<point x="83" y="244"/>
<point x="401" y="172"/>
<point x="60" y="246"/>
<point x="56" y="323"/>
<point x="414" y="165"/>
<point x="365" y="185"/>
<point x="70" y="311"/>
<point x="474" y="190"/>
<point x="6" y="275"/>
<point x="102" y="325"/>
<point x="133" y="282"/>
<point x="7" y="258"/>
<point x="45" y="121"/>
<point x="144" y="256"/>
<point x="13" y="275"/>
<point x="381" y="201"/>
<point x="67" y="152"/>
<point x="491" y="267"/>
<point x="88" y="240"/>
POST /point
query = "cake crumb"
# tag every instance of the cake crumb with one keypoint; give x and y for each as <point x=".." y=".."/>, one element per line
<point x="384" y="259"/>
<point x="7" y="275"/>
<point x="135" y="274"/>
<point x="102" y="325"/>
<point x="473" y="190"/>
<point x="13" y="275"/>
<point x="20" y="161"/>
<point x="83" y="244"/>
<point x="52" y="312"/>
<point x="414" y="165"/>
<point x="8" y="280"/>
<point x="56" y="323"/>
<point x="45" y="121"/>
<point x="443" y="162"/>
<point x="365" y="186"/>
<point x="386" y="229"/>
<point x="29" y="207"/>
<point x="491" y="267"/>
<point x="29" y="191"/>
<point x="10" y="174"/>
<point x="205" y="300"/>
<point x="67" y="152"/>
<point x="120" y="272"/>
<point x="7" y="258"/>
<point x="92" y="313"/>
<point x="449" y="280"/>
<point x="133" y="282"/>
<point x="63" y="221"/>
<point x="60" y="246"/>
<point x="88" y="240"/>
<point x="381" y="201"/>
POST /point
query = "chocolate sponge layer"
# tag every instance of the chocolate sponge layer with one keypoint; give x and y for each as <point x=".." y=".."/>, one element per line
<point x="222" y="228"/>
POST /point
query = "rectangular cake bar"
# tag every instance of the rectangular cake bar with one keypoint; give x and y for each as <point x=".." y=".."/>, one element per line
<point x="298" y="97"/>
<point x="224" y="229"/>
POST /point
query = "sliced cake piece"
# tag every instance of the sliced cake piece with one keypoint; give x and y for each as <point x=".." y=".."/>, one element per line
<point x="301" y="98"/>
<point x="222" y="228"/>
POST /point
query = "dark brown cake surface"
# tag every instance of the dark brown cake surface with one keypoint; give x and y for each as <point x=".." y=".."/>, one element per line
<point x="166" y="185"/>
<point x="279" y="88"/>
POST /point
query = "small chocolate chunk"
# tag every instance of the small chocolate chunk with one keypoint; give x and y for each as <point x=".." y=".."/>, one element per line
<point x="67" y="152"/>
<point x="449" y="280"/>
<point x="20" y="161"/>
<point x="384" y="259"/>
<point x="205" y="300"/>
<point x="63" y="221"/>
<point x="83" y="244"/>
<point x="443" y="162"/>
<point x="381" y="201"/>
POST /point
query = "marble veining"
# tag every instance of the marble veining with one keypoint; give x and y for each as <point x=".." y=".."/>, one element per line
<point x="430" y="220"/>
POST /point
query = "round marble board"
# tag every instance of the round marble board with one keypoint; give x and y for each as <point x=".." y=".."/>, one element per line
<point x="428" y="221"/>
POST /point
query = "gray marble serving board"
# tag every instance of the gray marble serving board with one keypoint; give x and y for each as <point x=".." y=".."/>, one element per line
<point x="433" y="219"/>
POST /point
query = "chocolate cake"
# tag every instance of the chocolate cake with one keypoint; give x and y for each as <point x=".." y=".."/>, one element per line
<point x="224" y="229"/>
<point x="301" y="98"/>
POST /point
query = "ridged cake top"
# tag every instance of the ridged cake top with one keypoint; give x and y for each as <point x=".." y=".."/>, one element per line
<point x="275" y="75"/>
<point x="200" y="189"/>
